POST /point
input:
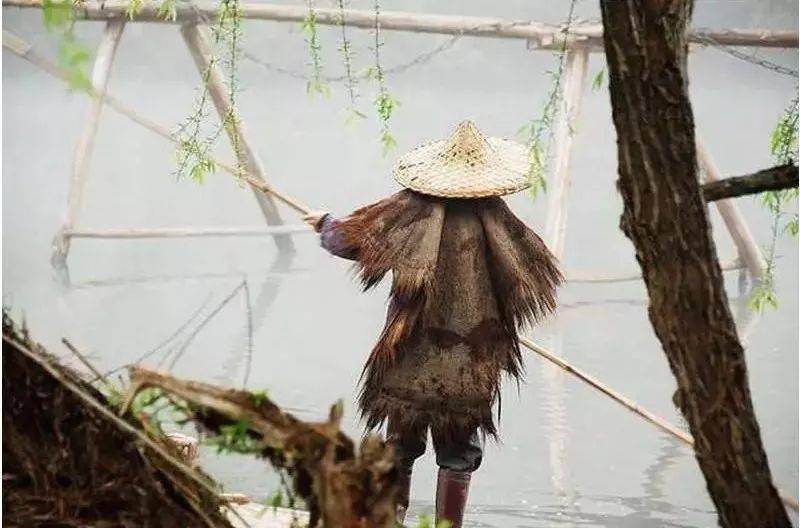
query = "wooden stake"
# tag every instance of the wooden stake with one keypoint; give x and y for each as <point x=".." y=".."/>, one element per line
<point x="559" y="181"/>
<point x="748" y="250"/>
<point x="101" y="73"/>
<point x="197" y="40"/>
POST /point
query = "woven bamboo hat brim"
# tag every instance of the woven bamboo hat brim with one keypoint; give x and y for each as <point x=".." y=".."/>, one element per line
<point x="466" y="165"/>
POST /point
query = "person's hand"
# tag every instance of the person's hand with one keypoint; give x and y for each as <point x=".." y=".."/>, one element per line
<point x="314" y="219"/>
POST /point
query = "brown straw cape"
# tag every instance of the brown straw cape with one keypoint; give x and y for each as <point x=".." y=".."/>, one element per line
<point x="466" y="165"/>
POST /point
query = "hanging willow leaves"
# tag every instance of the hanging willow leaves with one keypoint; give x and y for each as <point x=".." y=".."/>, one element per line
<point x="193" y="156"/>
<point x="347" y="57"/>
<point x="317" y="84"/>
<point x="783" y="146"/>
<point x="538" y="132"/>
<point x="385" y="103"/>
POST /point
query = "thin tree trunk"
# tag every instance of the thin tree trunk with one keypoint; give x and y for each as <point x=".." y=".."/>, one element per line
<point x="666" y="218"/>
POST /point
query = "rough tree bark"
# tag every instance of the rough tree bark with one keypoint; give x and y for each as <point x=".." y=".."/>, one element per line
<point x="772" y="179"/>
<point x="666" y="218"/>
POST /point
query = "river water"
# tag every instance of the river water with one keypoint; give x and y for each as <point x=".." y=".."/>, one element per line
<point x="569" y="456"/>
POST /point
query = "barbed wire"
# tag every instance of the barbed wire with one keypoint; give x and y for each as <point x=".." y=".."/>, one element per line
<point x="751" y="58"/>
<point x="419" y="60"/>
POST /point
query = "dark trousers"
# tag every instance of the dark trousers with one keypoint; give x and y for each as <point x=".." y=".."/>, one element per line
<point x="461" y="453"/>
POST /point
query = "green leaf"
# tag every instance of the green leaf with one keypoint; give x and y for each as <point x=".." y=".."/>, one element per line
<point x="134" y="8"/>
<point x="762" y="297"/>
<point x="235" y="438"/>
<point x="167" y="10"/>
<point x="260" y="397"/>
<point x="599" y="78"/>
<point x="425" y="521"/>
<point x="56" y="13"/>
<point x="276" y="499"/>
<point x="784" y="137"/>
<point x="386" y="105"/>
<point x="792" y="226"/>
<point x="316" y="87"/>
<point x="74" y="56"/>
<point x="371" y="73"/>
<point x="388" y="142"/>
<point x="353" y="115"/>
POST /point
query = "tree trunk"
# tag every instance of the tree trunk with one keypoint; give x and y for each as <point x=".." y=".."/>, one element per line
<point x="666" y="218"/>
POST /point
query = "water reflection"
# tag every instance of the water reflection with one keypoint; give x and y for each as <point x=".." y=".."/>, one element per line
<point x="652" y="509"/>
<point x="242" y="349"/>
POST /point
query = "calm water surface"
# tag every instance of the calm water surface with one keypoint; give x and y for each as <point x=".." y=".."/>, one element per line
<point x="568" y="455"/>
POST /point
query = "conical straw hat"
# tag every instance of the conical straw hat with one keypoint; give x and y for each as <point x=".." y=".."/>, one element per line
<point x="466" y="165"/>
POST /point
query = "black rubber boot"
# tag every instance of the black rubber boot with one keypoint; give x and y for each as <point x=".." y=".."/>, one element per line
<point x="452" y="489"/>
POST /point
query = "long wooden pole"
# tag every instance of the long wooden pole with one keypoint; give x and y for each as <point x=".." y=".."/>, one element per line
<point x="577" y="61"/>
<point x="185" y="232"/>
<point x="745" y="243"/>
<point x="552" y="35"/>
<point x="197" y="41"/>
<point x="626" y="402"/>
<point x="414" y="22"/>
<point x="101" y="73"/>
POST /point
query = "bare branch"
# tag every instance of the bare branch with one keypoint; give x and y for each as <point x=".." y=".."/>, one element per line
<point x="772" y="179"/>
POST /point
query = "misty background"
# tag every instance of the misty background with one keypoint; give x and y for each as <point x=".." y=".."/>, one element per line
<point x="568" y="456"/>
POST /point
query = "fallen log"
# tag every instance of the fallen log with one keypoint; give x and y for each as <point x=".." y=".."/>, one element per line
<point x="341" y="486"/>
<point x="69" y="461"/>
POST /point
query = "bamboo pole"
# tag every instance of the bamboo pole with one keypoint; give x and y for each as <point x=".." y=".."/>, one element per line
<point x="626" y="402"/>
<point x="101" y="73"/>
<point x="549" y="34"/>
<point x="191" y="232"/>
<point x="577" y="61"/>
<point x="23" y="50"/>
<point x="196" y="39"/>
<point x="746" y="245"/>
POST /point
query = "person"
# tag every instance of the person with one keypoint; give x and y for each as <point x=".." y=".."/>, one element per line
<point x="466" y="274"/>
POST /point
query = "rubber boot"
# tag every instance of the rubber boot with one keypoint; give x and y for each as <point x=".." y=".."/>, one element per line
<point x="403" y="492"/>
<point x="452" y="489"/>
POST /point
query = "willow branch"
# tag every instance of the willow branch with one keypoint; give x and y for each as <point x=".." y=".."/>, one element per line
<point x="773" y="179"/>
